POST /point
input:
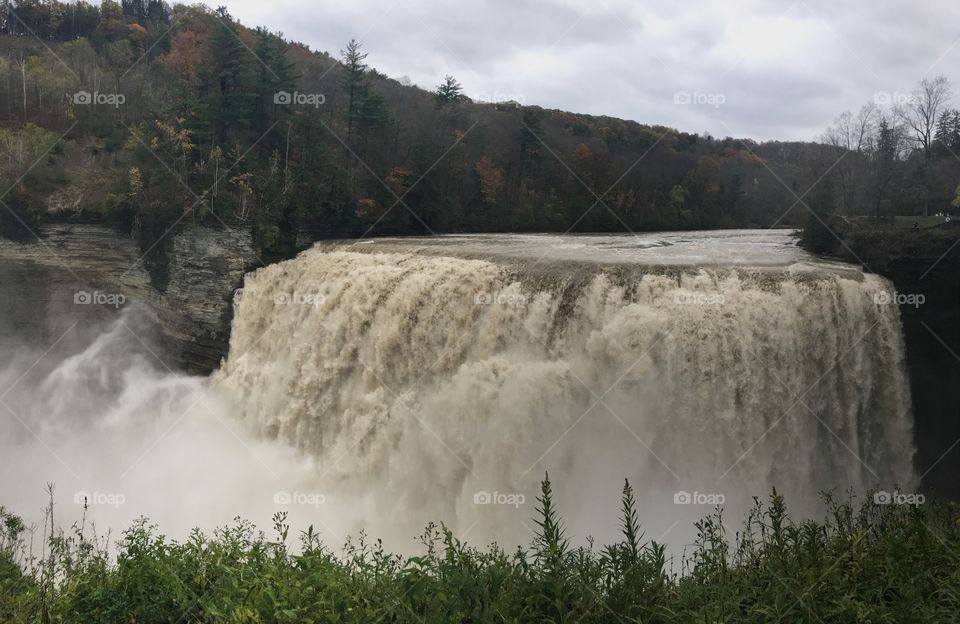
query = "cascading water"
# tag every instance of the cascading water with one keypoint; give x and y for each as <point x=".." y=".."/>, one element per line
<point x="439" y="380"/>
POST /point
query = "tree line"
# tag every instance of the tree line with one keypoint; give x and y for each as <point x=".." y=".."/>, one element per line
<point x="901" y="158"/>
<point x="220" y="123"/>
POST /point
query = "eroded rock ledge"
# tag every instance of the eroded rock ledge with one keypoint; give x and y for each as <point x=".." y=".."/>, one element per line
<point x="186" y="282"/>
<point x="924" y="262"/>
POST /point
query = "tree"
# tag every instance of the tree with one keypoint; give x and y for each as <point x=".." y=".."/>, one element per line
<point x="448" y="92"/>
<point x="366" y="109"/>
<point x="919" y="115"/>
<point x="886" y="152"/>
<point x="22" y="64"/>
<point x="19" y="150"/>
<point x="947" y="136"/>
<point x="186" y="54"/>
<point x="491" y="180"/>
<point x="232" y="95"/>
<point x="353" y="80"/>
<point x="112" y="25"/>
<point x="530" y="137"/>
<point x="275" y="73"/>
<point x="853" y="135"/>
<point x="817" y="235"/>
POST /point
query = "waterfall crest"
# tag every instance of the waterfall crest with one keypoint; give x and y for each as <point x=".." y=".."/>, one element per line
<point x="439" y="386"/>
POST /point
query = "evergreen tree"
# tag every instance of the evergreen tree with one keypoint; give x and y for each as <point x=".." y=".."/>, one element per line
<point x="947" y="136"/>
<point x="353" y="80"/>
<point x="135" y="9"/>
<point x="885" y="157"/>
<point x="275" y="74"/>
<point x="365" y="108"/>
<point x="448" y="92"/>
<point x="233" y="96"/>
<point x="531" y="145"/>
<point x="372" y="112"/>
<point x="158" y="11"/>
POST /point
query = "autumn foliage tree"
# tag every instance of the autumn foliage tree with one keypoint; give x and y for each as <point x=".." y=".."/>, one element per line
<point x="203" y="123"/>
<point x="491" y="180"/>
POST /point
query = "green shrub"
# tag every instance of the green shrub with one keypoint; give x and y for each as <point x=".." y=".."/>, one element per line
<point x="863" y="563"/>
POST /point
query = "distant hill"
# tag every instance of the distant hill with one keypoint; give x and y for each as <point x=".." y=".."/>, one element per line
<point x="146" y="116"/>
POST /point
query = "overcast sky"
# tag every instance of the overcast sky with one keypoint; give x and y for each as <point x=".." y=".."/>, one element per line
<point x="766" y="69"/>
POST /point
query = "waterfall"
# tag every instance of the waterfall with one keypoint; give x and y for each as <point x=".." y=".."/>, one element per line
<point x="429" y="385"/>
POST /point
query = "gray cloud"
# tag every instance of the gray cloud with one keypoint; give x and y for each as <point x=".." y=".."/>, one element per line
<point x="783" y="69"/>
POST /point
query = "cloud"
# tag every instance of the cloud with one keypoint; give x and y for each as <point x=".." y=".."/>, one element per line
<point x="785" y="69"/>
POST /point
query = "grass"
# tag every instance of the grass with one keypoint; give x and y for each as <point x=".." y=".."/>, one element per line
<point x="862" y="563"/>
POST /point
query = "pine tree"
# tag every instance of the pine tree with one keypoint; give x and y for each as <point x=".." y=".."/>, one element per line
<point x="448" y="92"/>
<point x="365" y="108"/>
<point x="531" y="146"/>
<point x="232" y="97"/>
<point x="275" y="74"/>
<point x="888" y="146"/>
<point x="354" y="81"/>
<point x="947" y="136"/>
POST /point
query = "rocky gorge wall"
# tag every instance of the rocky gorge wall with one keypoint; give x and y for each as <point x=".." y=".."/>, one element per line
<point x="81" y="274"/>
<point x="924" y="266"/>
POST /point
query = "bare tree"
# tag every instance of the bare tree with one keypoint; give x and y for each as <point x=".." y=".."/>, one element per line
<point x="22" y="64"/>
<point x="919" y="117"/>
<point x="854" y="136"/>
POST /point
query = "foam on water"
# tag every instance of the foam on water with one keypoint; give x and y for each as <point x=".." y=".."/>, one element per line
<point x="388" y="384"/>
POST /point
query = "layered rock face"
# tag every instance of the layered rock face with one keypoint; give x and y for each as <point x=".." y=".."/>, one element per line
<point x="80" y="275"/>
<point x="924" y="266"/>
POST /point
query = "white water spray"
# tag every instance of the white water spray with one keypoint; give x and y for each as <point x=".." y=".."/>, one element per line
<point x="409" y="383"/>
<point x="433" y="387"/>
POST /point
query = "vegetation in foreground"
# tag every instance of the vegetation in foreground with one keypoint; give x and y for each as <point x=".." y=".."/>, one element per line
<point x="863" y="563"/>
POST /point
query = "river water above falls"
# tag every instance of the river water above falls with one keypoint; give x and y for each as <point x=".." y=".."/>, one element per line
<point x="385" y="383"/>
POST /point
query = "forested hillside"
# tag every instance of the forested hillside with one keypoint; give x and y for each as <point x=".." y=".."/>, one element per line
<point x="146" y="116"/>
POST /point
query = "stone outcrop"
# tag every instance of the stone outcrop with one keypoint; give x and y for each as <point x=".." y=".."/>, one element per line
<point x="73" y="276"/>
<point x="924" y="266"/>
